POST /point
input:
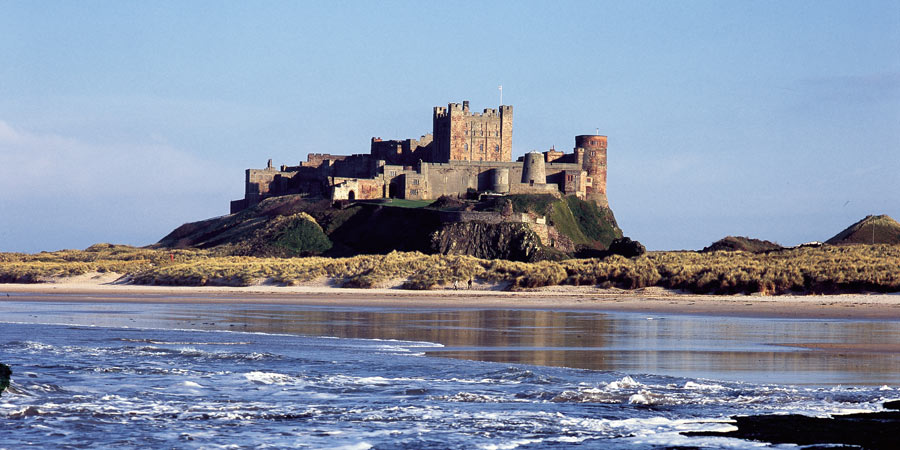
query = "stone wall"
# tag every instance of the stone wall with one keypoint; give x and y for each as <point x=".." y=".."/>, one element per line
<point x="357" y="189"/>
<point x="460" y="135"/>
<point x="594" y="163"/>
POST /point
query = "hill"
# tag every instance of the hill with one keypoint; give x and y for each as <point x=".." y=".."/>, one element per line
<point x="870" y="230"/>
<point x="515" y="227"/>
<point x="741" y="243"/>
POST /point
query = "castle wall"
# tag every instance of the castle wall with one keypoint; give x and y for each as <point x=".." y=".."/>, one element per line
<point x="357" y="189"/>
<point x="316" y="159"/>
<point x="467" y="151"/>
<point x="403" y="152"/>
<point x="456" y="177"/>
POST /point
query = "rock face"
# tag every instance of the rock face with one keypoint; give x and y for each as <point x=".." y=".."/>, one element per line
<point x="626" y="247"/>
<point x="877" y="430"/>
<point x="280" y="235"/>
<point x="512" y="241"/>
<point x="5" y="374"/>
<point x="870" y="230"/>
<point x="521" y="227"/>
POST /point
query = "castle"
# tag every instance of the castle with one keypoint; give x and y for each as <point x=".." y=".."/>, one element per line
<point x="465" y="152"/>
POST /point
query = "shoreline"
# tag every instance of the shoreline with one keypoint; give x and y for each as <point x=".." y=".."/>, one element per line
<point x="104" y="289"/>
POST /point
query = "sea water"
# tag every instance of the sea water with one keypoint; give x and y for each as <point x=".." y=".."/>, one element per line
<point x="270" y="376"/>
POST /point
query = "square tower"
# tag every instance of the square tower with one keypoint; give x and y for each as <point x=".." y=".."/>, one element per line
<point x="460" y="135"/>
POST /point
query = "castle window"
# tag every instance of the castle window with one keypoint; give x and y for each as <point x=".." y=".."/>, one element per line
<point x="413" y="192"/>
<point x="496" y="148"/>
<point x="592" y="153"/>
<point x="481" y="147"/>
<point x="466" y="147"/>
<point x="415" y="181"/>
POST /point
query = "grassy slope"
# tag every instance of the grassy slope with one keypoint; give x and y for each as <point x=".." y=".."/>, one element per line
<point x="742" y="243"/>
<point x="828" y="269"/>
<point x="880" y="229"/>
<point x="584" y="222"/>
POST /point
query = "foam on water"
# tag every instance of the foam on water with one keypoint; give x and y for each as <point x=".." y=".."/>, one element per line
<point x="83" y="386"/>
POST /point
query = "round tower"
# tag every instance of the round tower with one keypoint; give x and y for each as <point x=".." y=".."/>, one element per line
<point x="533" y="171"/>
<point x="594" y="163"/>
<point x="500" y="180"/>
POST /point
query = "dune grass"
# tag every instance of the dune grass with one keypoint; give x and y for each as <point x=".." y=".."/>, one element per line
<point x="828" y="269"/>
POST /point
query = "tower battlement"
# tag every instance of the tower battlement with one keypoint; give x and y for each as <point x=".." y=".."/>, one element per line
<point x="466" y="151"/>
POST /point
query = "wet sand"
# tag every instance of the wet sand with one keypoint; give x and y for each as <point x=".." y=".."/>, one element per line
<point x="104" y="288"/>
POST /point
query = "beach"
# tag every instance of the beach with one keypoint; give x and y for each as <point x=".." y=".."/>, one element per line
<point x="108" y="288"/>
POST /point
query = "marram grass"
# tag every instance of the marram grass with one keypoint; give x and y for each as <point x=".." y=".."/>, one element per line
<point x="828" y="269"/>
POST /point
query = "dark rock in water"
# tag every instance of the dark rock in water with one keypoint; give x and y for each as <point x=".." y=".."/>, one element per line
<point x="5" y="374"/>
<point x="879" y="430"/>
<point x="893" y="404"/>
<point x="626" y="247"/>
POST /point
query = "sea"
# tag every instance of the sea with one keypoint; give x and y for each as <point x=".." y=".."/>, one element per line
<point x="176" y="373"/>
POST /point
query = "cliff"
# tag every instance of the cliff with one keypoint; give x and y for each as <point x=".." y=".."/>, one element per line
<point x="518" y="227"/>
<point x="511" y="241"/>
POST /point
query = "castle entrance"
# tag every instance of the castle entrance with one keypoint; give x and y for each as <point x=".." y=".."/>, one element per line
<point x="351" y="196"/>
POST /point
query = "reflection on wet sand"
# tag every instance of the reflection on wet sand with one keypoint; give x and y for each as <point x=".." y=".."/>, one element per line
<point x="821" y="352"/>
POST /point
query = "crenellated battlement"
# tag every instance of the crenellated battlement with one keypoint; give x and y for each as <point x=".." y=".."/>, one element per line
<point x="466" y="151"/>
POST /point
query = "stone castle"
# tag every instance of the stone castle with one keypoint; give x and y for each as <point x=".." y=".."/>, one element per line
<point x="466" y="152"/>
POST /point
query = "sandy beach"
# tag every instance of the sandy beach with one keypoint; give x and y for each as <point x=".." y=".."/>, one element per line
<point x="107" y="288"/>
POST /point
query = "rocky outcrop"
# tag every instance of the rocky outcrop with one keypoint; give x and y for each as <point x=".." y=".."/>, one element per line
<point x="512" y="241"/>
<point x="5" y="374"/>
<point x="626" y="247"/>
<point x="289" y="225"/>
<point x="876" y="430"/>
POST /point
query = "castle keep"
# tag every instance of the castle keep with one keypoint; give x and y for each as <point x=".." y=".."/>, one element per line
<point x="465" y="152"/>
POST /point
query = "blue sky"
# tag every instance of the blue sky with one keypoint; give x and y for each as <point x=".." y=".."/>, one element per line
<point x="778" y="120"/>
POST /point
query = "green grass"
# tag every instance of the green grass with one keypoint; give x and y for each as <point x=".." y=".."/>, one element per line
<point x="403" y="203"/>
<point x="565" y="222"/>
<point x="596" y="223"/>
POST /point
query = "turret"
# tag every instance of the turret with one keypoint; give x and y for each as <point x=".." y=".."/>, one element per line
<point x="500" y="180"/>
<point x="533" y="170"/>
<point x="594" y="163"/>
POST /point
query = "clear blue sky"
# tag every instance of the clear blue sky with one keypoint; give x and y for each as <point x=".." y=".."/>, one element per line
<point x="777" y="120"/>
